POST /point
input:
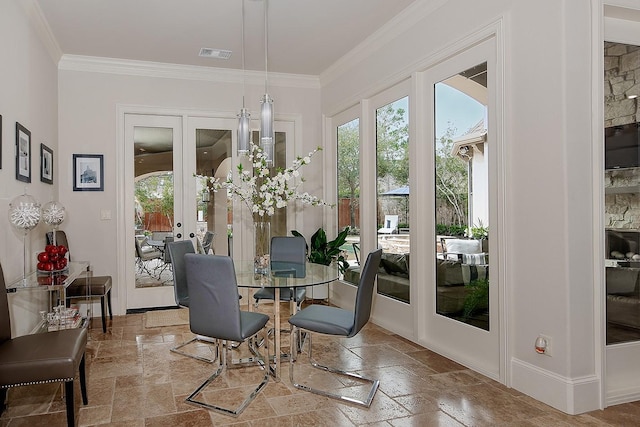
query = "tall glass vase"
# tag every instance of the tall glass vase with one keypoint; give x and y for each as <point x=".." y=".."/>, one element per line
<point x="262" y="239"/>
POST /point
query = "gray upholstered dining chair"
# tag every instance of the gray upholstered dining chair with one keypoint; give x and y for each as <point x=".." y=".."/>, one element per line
<point x="99" y="286"/>
<point x="337" y="321"/>
<point x="288" y="258"/>
<point x="214" y="312"/>
<point x="40" y="358"/>
<point x="177" y="251"/>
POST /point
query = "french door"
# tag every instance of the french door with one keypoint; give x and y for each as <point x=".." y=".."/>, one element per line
<point x="462" y="300"/>
<point x="153" y="150"/>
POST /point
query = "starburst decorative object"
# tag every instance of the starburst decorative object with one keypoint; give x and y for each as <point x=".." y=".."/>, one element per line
<point x="24" y="215"/>
<point x="53" y="214"/>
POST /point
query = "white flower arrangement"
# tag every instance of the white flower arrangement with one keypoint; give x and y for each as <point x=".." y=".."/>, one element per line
<point x="262" y="193"/>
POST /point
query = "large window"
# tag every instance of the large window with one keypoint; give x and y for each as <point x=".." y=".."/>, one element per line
<point x="462" y="197"/>
<point x="392" y="170"/>
<point x="348" y="166"/>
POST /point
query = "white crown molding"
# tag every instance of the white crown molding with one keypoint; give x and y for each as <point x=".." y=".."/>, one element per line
<point x="41" y="27"/>
<point x="392" y="29"/>
<point x="93" y="64"/>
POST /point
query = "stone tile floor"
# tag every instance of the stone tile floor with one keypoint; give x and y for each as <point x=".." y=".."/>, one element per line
<point x="134" y="380"/>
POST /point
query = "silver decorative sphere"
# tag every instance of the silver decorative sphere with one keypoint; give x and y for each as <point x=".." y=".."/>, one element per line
<point x="24" y="213"/>
<point x="53" y="213"/>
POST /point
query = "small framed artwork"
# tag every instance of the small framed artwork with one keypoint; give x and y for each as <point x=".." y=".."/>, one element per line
<point x="88" y="172"/>
<point x="46" y="164"/>
<point x="23" y="153"/>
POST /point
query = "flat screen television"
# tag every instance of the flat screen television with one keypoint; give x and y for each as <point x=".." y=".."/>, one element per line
<point x="622" y="146"/>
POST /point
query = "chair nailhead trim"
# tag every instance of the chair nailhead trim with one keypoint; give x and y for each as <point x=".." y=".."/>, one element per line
<point x="37" y="382"/>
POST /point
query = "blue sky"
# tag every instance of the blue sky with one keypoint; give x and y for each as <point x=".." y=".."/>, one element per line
<point x="456" y="108"/>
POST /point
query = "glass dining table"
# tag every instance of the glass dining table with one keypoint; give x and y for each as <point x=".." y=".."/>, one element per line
<point x="283" y="275"/>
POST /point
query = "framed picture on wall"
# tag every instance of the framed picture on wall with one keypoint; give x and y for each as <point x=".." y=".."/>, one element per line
<point x="23" y="153"/>
<point x="88" y="172"/>
<point x="46" y="164"/>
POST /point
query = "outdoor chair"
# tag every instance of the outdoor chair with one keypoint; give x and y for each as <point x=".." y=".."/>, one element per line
<point x="41" y="358"/>
<point x="340" y="322"/>
<point x="214" y="312"/>
<point x="390" y="225"/>
<point x="145" y="254"/>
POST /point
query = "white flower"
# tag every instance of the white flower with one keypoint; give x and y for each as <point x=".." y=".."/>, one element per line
<point x="263" y="193"/>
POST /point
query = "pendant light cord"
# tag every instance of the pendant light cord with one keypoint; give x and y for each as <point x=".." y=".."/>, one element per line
<point x="244" y="79"/>
<point x="266" y="45"/>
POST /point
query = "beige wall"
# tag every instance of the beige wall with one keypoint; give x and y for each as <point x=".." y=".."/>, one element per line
<point x="28" y="95"/>
<point x="88" y="124"/>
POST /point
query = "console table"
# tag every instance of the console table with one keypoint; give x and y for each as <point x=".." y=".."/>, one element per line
<point x="53" y="283"/>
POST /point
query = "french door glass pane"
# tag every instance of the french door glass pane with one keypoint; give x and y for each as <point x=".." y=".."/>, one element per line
<point x="348" y="167"/>
<point x="392" y="165"/>
<point x="214" y="209"/>
<point x="154" y="201"/>
<point x="462" y="197"/>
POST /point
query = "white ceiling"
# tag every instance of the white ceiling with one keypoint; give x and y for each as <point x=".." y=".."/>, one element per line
<point x="305" y="36"/>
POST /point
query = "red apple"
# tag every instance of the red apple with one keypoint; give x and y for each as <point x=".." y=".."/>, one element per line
<point x="43" y="257"/>
<point x="62" y="249"/>
<point x="48" y="248"/>
<point x="48" y="266"/>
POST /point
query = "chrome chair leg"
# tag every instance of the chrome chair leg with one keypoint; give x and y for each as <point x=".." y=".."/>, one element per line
<point x="199" y="339"/>
<point x="292" y="359"/>
<point x="260" y="361"/>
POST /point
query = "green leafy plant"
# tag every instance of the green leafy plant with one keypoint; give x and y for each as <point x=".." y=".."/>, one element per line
<point x="477" y="296"/>
<point x="324" y="252"/>
<point x="479" y="231"/>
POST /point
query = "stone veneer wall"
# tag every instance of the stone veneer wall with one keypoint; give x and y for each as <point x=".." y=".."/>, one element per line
<point x="621" y="80"/>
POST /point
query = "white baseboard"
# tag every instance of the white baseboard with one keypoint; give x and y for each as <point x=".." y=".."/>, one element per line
<point x="570" y="395"/>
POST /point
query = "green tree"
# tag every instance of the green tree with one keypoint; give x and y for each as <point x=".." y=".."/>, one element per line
<point x="392" y="138"/>
<point x="349" y="166"/>
<point x="155" y="195"/>
<point x="451" y="177"/>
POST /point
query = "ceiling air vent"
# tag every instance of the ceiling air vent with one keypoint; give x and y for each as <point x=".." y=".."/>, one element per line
<point x="215" y="53"/>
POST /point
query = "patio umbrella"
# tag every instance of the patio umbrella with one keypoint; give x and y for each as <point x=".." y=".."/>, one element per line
<point x="400" y="191"/>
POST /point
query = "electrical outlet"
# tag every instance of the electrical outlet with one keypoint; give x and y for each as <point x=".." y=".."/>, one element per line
<point x="548" y="347"/>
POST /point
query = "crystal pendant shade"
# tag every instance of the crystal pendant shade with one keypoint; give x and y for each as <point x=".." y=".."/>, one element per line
<point x="244" y="131"/>
<point x="266" y="127"/>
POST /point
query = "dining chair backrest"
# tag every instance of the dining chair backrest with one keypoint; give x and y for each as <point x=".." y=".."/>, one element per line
<point x="364" y="296"/>
<point x="5" y="319"/>
<point x="207" y="241"/>
<point x="177" y="251"/>
<point x="289" y="252"/>
<point x="165" y="254"/>
<point x="61" y="239"/>
<point x="214" y="310"/>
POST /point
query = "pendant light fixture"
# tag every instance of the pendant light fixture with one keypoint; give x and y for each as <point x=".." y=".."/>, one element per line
<point x="244" y="118"/>
<point x="266" y="103"/>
